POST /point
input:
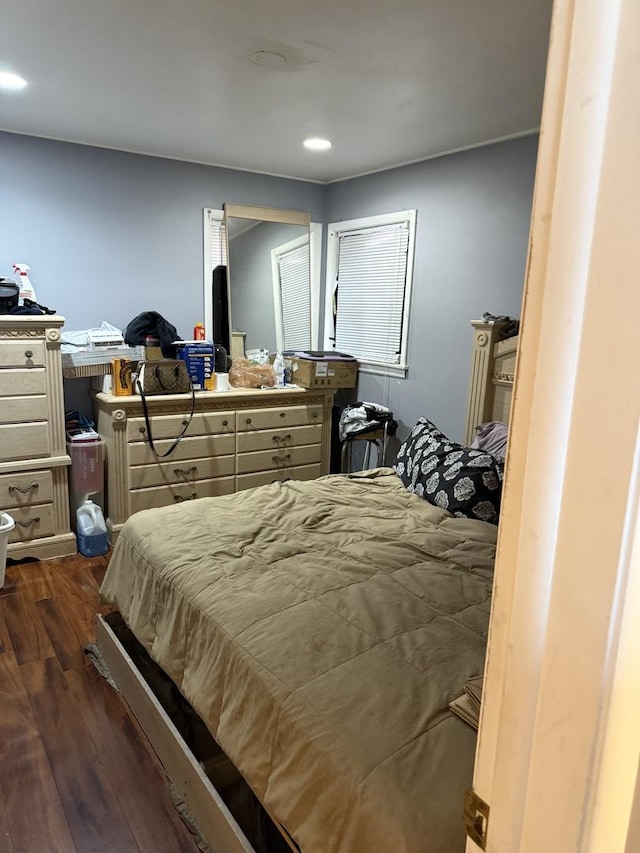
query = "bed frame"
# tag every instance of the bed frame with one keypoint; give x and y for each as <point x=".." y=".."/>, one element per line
<point x="215" y="821"/>
<point x="492" y="375"/>
<point x="193" y="786"/>
<point x="493" y="367"/>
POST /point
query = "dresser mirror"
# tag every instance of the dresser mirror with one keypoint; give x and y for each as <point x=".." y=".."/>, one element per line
<point x="269" y="277"/>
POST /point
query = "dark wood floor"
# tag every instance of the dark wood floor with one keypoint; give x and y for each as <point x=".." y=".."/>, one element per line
<point x="76" y="773"/>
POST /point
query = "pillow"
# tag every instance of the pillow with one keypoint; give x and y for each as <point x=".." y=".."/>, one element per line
<point x="492" y="438"/>
<point x="464" y="481"/>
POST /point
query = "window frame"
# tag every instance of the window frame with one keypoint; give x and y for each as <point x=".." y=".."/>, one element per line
<point x="335" y="229"/>
<point x="276" y="283"/>
<point x="315" y="261"/>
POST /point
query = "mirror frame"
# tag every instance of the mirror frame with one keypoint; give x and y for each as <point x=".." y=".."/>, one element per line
<point x="266" y="214"/>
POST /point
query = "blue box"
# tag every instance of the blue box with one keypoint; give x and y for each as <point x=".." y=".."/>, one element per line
<point x="199" y="358"/>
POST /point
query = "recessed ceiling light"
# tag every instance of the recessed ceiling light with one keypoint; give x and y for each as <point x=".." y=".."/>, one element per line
<point x="317" y="144"/>
<point x="11" y="82"/>
<point x="268" y="59"/>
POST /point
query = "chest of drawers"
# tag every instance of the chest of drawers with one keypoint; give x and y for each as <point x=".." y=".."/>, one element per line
<point x="236" y="440"/>
<point x="33" y="457"/>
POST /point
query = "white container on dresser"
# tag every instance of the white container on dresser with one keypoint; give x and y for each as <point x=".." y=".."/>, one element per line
<point x="236" y="440"/>
<point x="33" y="457"/>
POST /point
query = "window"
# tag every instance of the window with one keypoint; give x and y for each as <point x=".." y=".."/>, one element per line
<point x="215" y="253"/>
<point x="290" y="265"/>
<point x="369" y="270"/>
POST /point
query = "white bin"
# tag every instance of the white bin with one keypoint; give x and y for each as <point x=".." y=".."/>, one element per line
<point x="6" y="526"/>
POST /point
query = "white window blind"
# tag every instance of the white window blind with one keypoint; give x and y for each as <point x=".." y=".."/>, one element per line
<point x="215" y="254"/>
<point x="370" y="292"/>
<point x="293" y="266"/>
<point x="216" y="240"/>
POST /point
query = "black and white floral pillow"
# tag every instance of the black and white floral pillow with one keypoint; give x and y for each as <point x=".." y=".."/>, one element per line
<point x="466" y="482"/>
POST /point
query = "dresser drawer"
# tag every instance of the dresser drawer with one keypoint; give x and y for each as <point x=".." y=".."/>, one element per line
<point x="172" y="473"/>
<point x="252" y="419"/>
<point x="23" y="441"/>
<point x="197" y="447"/>
<point x="263" y="478"/>
<point x="273" y="460"/>
<point x="23" y="490"/>
<point x="32" y="522"/>
<point x="169" y="495"/>
<point x="267" y="439"/>
<point x="22" y="353"/>
<point x="169" y="426"/>
<point x="15" y="410"/>
<point x="22" y="383"/>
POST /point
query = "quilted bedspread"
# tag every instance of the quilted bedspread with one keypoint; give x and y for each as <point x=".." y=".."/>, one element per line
<point x="320" y="630"/>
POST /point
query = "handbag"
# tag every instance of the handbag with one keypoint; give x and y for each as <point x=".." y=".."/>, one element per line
<point x="164" y="376"/>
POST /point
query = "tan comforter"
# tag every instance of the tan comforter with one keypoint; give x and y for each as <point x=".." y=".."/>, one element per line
<point x="320" y="630"/>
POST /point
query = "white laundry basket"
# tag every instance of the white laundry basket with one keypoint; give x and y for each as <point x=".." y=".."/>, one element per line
<point x="6" y="526"/>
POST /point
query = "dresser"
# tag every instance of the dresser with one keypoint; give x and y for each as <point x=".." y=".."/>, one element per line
<point x="33" y="457"/>
<point x="236" y="440"/>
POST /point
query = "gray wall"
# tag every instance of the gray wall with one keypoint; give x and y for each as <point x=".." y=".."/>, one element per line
<point x="109" y="234"/>
<point x="473" y="212"/>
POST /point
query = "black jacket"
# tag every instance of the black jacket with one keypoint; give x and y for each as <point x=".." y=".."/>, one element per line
<point x="152" y="323"/>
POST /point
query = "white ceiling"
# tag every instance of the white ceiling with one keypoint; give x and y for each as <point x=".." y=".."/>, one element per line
<point x="387" y="82"/>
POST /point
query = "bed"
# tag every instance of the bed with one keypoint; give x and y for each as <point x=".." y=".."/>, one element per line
<point x="320" y="630"/>
<point x="493" y="366"/>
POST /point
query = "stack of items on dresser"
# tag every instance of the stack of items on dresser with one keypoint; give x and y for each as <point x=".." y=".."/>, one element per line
<point x="151" y="349"/>
<point x="92" y="353"/>
<point x="322" y="369"/>
<point x="19" y="297"/>
<point x="116" y="361"/>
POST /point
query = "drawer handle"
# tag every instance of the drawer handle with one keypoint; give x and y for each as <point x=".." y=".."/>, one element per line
<point x="24" y="490"/>
<point x="28" y="353"/>
<point x="179" y="498"/>
<point x="185" y="472"/>
<point x="281" y="440"/>
<point x="142" y="430"/>
<point x="282" y="460"/>
<point x="283" y="414"/>
<point x="248" y="421"/>
<point x="225" y="423"/>
<point x="28" y="523"/>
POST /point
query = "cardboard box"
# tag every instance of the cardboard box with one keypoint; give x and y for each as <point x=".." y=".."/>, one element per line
<point x="314" y="373"/>
<point x="199" y="358"/>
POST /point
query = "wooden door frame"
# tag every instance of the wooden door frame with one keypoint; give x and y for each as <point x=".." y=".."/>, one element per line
<point x="559" y="741"/>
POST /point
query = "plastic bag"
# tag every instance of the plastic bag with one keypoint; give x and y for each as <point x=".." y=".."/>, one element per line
<point x="260" y="356"/>
<point x="246" y="373"/>
<point x="364" y="417"/>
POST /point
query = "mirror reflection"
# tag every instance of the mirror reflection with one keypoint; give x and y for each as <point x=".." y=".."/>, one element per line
<point x="269" y="282"/>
